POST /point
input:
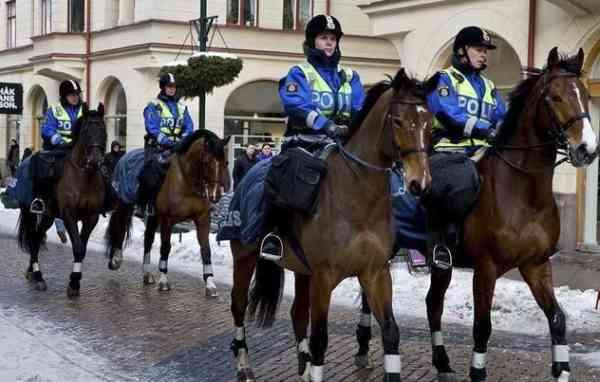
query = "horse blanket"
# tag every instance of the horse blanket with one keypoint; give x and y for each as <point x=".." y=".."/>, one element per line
<point x="125" y="181"/>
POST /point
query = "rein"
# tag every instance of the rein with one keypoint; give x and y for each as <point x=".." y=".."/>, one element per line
<point x="348" y="156"/>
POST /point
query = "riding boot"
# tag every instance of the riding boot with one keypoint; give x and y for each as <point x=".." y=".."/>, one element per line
<point x="438" y="249"/>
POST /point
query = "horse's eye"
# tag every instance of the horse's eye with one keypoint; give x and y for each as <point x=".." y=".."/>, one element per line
<point x="556" y="98"/>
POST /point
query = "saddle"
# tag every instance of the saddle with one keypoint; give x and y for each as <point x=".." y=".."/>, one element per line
<point x="47" y="166"/>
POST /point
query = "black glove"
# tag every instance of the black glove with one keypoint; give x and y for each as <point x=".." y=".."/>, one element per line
<point x="335" y="131"/>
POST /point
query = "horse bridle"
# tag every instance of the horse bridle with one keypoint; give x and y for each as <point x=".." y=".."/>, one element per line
<point x="205" y="181"/>
<point x="403" y="153"/>
<point x="557" y="132"/>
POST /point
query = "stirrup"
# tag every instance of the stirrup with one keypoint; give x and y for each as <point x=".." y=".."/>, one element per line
<point x="270" y="250"/>
<point x="149" y="209"/>
<point x="440" y="260"/>
<point x="37" y="210"/>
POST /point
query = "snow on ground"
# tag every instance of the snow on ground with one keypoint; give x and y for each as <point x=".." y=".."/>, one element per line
<point x="34" y="351"/>
<point x="514" y="308"/>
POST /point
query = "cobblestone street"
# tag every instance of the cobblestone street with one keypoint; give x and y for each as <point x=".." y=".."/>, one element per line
<point x="181" y="336"/>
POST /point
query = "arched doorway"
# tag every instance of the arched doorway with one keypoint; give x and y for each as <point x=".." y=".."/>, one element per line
<point x="504" y="66"/>
<point x="115" y="102"/>
<point x="254" y="115"/>
<point x="39" y="106"/>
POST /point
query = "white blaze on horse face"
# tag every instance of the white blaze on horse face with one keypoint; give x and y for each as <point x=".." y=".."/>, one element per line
<point x="587" y="134"/>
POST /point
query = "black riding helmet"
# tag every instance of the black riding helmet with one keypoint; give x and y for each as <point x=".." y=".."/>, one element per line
<point x="320" y="24"/>
<point x="68" y="87"/>
<point x="166" y="79"/>
<point x="472" y="36"/>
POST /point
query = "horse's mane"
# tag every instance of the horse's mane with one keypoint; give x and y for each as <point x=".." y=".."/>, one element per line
<point x="89" y="116"/>
<point x="215" y="145"/>
<point x="519" y="97"/>
<point x="401" y="81"/>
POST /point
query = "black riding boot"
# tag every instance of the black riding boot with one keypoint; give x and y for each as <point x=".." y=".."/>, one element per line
<point x="438" y="249"/>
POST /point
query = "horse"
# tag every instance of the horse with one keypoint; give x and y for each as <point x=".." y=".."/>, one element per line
<point x="78" y="197"/>
<point x="196" y="178"/>
<point x="349" y="235"/>
<point x="515" y="223"/>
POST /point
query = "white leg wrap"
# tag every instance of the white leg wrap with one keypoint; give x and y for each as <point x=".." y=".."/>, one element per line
<point x="162" y="265"/>
<point x="243" y="362"/>
<point x="365" y="320"/>
<point x="210" y="283"/>
<point x="560" y="353"/>
<point x="240" y="333"/>
<point x="147" y="268"/>
<point x="76" y="267"/>
<point x="35" y="267"/>
<point x="147" y="258"/>
<point x="303" y="346"/>
<point x="478" y="361"/>
<point x="163" y="278"/>
<point x="392" y="363"/>
<point x="208" y="269"/>
<point x="563" y="377"/>
<point x="316" y="373"/>
<point x="437" y="339"/>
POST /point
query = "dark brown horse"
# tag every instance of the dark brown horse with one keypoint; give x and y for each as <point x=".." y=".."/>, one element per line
<point x="196" y="178"/>
<point x="351" y="233"/>
<point x="515" y="223"/>
<point x="78" y="197"/>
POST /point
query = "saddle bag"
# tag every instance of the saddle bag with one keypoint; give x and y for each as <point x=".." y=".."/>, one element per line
<point x="293" y="181"/>
<point x="47" y="165"/>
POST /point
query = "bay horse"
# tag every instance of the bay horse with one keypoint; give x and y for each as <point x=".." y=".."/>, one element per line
<point x="78" y="197"/>
<point x="515" y="223"/>
<point x="350" y="234"/>
<point x="196" y="178"/>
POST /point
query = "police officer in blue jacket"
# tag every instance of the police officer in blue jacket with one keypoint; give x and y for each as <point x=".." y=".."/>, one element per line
<point x="57" y="133"/>
<point x="167" y="121"/>
<point x="468" y="111"/>
<point x="320" y="97"/>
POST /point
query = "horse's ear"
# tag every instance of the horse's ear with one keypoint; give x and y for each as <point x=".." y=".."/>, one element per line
<point x="580" y="59"/>
<point x="85" y="110"/>
<point x="226" y="140"/>
<point x="100" y="109"/>
<point x="553" y="58"/>
<point x="400" y="79"/>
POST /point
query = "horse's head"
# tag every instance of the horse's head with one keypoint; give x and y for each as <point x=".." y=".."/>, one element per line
<point x="563" y="108"/>
<point x="206" y="153"/>
<point x="410" y="123"/>
<point x="89" y="136"/>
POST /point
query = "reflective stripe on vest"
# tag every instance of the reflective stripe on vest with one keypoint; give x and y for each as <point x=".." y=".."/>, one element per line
<point x="64" y="121"/>
<point x="323" y="96"/>
<point x="469" y="101"/>
<point x="169" y="125"/>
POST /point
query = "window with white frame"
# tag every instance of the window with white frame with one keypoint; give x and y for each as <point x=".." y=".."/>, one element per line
<point x="296" y="14"/>
<point x="46" y="16"/>
<point x="76" y="15"/>
<point x="11" y="25"/>
<point x="242" y="12"/>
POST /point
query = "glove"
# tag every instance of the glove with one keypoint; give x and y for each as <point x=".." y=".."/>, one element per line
<point x="335" y="131"/>
<point x="56" y="140"/>
<point x="163" y="140"/>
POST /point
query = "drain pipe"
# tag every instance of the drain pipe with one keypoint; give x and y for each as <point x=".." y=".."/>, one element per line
<point x="328" y="7"/>
<point x="88" y="51"/>
<point x="531" y="37"/>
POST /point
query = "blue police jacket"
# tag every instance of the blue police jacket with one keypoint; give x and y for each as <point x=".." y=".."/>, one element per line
<point x="296" y="95"/>
<point x="50" y="134"/>
<point x="152" y="117"/>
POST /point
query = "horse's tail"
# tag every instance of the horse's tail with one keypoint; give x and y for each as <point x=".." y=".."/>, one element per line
<point x="266" y="292"/>
<point x="27" y="231"/>
<point x="118" y="231"/>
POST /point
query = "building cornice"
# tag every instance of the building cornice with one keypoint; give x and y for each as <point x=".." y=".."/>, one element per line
<point x="398" y="6"/>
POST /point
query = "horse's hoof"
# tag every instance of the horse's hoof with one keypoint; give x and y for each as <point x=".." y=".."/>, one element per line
<point x="29" y="275"/>
<point x="72" y="292"/>
<point x="363" y="361"/>
<point x="149" y="279"/>
<point x="40" y="285"/>
<point x="447" y="377"/>
<point x="563" y="377"/>
<point x="211" y="289"/>
<point x="391" y="377"/>
<point x="164" y="287"/>
<point x="305" y="377"/>
<point x="245" y="375"/>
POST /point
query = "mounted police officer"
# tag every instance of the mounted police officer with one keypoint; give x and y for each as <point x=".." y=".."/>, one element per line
<point x="167" y="122"/>
<point x="468" y="111"/>
<point x="320" y="97"/>
<point x="57" y="133"/>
